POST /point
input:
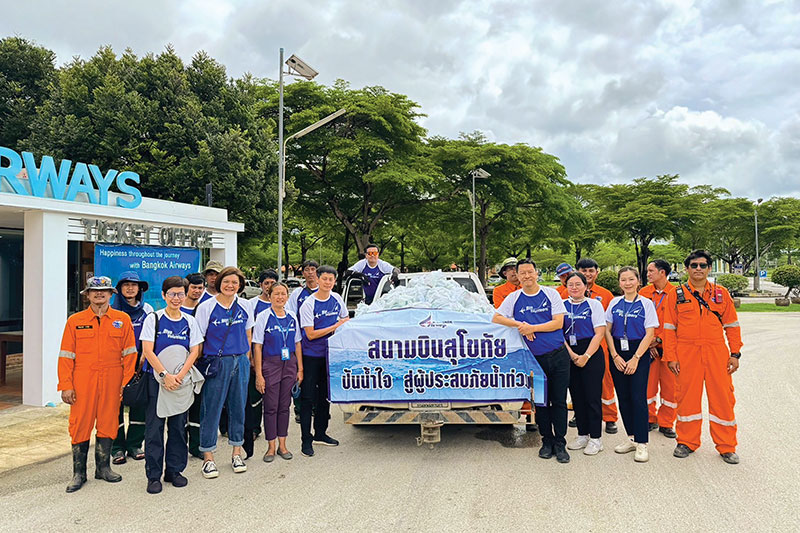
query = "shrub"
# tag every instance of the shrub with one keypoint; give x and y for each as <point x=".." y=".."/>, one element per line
<point x="733" y="282"/>
<point x="608" y="280"/>
<point x="788" y="276"/>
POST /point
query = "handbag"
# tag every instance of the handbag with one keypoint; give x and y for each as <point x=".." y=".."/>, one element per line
<point x="134" y="394"/>
<point x="209" y="365"/>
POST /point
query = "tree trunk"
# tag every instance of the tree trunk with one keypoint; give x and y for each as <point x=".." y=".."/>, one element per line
<point x="643" y="258"/>
<point x="303" y="248"/>
<point x="484" y="237"/>
<point x="577" y="253"/>
<point x="528" y="252"/>
<point x="402" y="253"/>
<point x="344" y="263"/>
<point x="286" y="256"/>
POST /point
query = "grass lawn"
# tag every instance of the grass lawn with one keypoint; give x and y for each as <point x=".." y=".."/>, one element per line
<point x="767" y="308"/>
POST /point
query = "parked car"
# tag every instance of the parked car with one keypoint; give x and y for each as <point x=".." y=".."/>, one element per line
<point x="674" y="276"/>
<point x="251" y="289"/>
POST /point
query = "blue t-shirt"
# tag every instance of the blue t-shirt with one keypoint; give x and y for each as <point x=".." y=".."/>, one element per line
<point x="374" y="274"/>
<point x="213" y="320"/>
<point x="274" y="332"/>
<point x="257" y="305"/>
<point x="582" y="318"/>
<point x="297" y="298"/>
<point x="188" y="311"/>
<point x="631" y="319"/>
<point x="320" y="315"/>
<point x="183" y="332"/>
<point x="203" y="297"/>
<point x="536" y="309"/>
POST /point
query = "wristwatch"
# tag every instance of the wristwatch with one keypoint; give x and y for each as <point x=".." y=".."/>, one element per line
<point x="162" y="374"/>
<point x="736" y="355"/>
<point x="658" y="340"/>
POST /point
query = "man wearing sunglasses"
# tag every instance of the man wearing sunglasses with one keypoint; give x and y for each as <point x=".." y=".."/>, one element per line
<point x="698" y="317"/>
<point x="371" y="269"/>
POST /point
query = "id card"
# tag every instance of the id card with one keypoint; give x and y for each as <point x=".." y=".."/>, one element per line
<point x="284" y="354"/>
<point x="623" y="344"/>
<point x="573" y="341"/>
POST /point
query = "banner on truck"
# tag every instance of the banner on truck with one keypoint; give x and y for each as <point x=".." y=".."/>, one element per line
<point x="405" y="355"/>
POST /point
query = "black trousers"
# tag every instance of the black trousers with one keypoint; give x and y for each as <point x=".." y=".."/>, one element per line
<point x="314" y="397"/>
<point x="632" y="393"/>
<point x="586" y="387"/>
<point x="193" y="427"/>
<point x="552" y="417"/>
<point x="176" y="451"/>
<point x="253" y="410"/>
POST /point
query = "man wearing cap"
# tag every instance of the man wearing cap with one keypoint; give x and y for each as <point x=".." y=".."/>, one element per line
<point x="562" y="271"/>
<point x="130" y="300"/>
<point x="508" y="271"/>
<point x="211" y="271"/>
<point x="97" y="358"/>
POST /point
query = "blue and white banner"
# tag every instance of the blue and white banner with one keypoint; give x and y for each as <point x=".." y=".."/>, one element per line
<point x="402" y="355"/>
<point x="153" y="264"/>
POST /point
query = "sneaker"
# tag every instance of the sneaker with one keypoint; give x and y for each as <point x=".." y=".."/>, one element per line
<point x="238" y="464"/>
<point x="573" y="423"/>
<point x="210" y="470"/>
<point x="653" y="426"/>
<point x="641" y="455"/>
<point x="626" y="447"/>
<point x="325" y="440"/>
<point x="579" y="443"/>
<point x="730" y="457"/>
<point x="668" y="432"/>
<point x="594" y="447"/>
<point x="561" y="453"/>
<point x="611" y="428"/>
<point x="307" y="450"/>
<point x="682" y="451"/>
<point x="546" y="451"/>
<point x="153" y="486"/>
<point x="177" y="480"/>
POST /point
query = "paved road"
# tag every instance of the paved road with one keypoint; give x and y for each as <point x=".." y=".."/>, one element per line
<point x="476" y="478"/>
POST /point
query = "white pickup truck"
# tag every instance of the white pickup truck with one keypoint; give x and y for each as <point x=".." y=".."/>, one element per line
<point x="431" y="416"/>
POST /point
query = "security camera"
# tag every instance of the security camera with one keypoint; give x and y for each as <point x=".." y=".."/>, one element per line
<point x="301" y="67"/>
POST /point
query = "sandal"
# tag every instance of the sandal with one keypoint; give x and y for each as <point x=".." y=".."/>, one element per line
<point x="137" y="454"/>
<point x="118" y="458"/>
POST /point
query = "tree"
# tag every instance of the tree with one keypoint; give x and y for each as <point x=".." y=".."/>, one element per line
<point x="788" y="276"/>
<point x="648" y="209"/>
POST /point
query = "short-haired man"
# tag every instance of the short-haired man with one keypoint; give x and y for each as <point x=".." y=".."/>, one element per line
<point x="562" y="271"/>
<point x="194" y="292"/>
<point x="589" y="268"/>
<point x="660" y="377"/>
<point x="370" y="270"/>
<point x="698" y="317"/>
<point x="320" y="315"/>
<point x="538" y="313"/>
<point x="97" y="358"/>
<point x="311" y="286"/>
<point x="508" y="271"/>
<point x="210" y="272"/>
<point x="266" y="280"/>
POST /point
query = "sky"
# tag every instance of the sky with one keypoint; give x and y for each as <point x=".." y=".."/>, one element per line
<point x="617" y="90"/>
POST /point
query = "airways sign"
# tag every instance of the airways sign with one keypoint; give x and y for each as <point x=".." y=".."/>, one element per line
<point x="68" y="181"/>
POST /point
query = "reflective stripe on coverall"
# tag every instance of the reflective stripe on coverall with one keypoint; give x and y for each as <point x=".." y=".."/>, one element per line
<point x="696" y="339"/>
<point x="97" y="357"/>
<point x="660" y="375"/>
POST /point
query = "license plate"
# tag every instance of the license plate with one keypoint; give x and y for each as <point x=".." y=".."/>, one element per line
<point x="429" y="406"/>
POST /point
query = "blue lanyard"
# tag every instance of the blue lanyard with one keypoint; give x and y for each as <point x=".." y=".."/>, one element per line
<point x="625" y="310"/>
<point x="663" y="294"/>
<point x="284" y="331"/>
<point x="572" y="316"/>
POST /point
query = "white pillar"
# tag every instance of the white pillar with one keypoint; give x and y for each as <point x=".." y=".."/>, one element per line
<point x="228" y="254"/>
<point x="44" y="305"/>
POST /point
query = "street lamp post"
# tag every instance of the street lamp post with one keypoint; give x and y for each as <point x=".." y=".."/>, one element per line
<point x="757" y="278"/>
<point x="297" y="67"/>
<point x="478" y="173"/>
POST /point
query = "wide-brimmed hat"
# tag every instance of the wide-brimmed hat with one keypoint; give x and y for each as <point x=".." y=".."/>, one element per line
<point x="510" y="262"/>
<point x="563" y="268"/>
<point x="133" y="277"/>
<point x="99" y="283"/>
<point x="216" y="266"/>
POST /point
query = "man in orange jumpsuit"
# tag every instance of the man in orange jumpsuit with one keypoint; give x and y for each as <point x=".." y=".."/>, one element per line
<point x="698" y="317"/>
<point x="97" y="358"/>
<point x="562" y="271"/>
<point x="589" y="268"/>
<point x="661" y="418"/>
<point x="508" y="271"/>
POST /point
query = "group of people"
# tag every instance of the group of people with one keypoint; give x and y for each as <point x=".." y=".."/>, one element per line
<point x="207" y="340"/>
<point x="653" y="342"/>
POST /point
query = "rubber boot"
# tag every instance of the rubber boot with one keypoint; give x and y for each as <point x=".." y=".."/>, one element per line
<point x="102" y="460"/>
<point x="79" y="453"/>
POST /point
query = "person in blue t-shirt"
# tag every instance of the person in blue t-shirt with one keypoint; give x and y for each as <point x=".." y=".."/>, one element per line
<point x="277" y="355"/>
<point x="320" y="315"/>
<point x="370" y="270"/>
<point x="631" y="320"/>
<point x="266" y="279"/>
<point x="174" y="327"/>
<point x="226" y="324"/>
<point x="584" y="327"/>
<point x="298" y="296"/>
<point x="538" y="313"/>
<point x="196" y="286"/>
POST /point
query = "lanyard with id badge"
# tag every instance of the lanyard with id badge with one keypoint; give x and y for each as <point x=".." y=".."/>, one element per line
<point x="285" y="354"/>
<point x="623" y="342"/>
<point x="573" y="339"/>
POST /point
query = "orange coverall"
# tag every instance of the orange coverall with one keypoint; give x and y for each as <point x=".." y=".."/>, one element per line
<point x="562" y="291"/>
<point x="501" y="291"/>
<point x="660" y="374"/>
<point x="696" y="339"/>
<point x="97" y="357"/>
<point x="607" y="395"/>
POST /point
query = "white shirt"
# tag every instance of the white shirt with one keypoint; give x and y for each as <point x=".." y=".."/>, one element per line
<point x="203" y="313"/>
<point x="149" y="326"/>
<point x="307" y="310"/>
<point x="261" y="326"/>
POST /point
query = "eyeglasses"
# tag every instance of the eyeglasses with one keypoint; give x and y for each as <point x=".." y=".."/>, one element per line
<point x="176" y="295"/>
<point x="373" y="253"/>
<point x="698" y="265"/>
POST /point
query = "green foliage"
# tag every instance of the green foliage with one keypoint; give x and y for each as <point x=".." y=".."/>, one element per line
<point x="608" y="279"/>
<point x="788" y="276"/>
<point x="735" y="283"/>
<point x="768" y="308"/>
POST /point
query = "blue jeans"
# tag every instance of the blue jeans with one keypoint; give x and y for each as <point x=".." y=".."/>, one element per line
<point x="228" y="388"/>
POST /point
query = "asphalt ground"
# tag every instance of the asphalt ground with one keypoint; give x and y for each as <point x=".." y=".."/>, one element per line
<point x="477" y="478"/>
